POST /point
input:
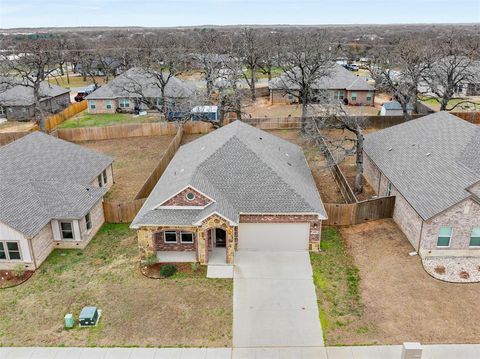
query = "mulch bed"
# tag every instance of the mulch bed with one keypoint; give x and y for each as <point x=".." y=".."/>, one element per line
<point x="8" y="279"/>
<point x="183" y="270"/>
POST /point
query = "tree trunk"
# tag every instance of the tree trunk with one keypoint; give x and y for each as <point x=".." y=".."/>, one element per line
<point x="209" y="88"/>
<point x="303" y="119"/>
<point x="38" y="113"/>
<point x="252" y="84"/>
<point x="359" y="163"/>
<point x="407" y="116"/>
<point x="68" y="75"/>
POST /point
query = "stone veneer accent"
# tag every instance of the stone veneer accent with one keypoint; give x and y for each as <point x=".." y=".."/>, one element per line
<point x="315" y="224"/>
<point x="215" y="221"/>
<point x="180" y="199"/>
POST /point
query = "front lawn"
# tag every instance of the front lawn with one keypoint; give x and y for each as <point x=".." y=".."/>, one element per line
<point x="137" y="311"/>
<point x="85" y="119"/>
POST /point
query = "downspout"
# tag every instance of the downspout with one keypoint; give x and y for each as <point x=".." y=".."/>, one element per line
<point x="29" y="240"/>
<point x="420" y="239"/>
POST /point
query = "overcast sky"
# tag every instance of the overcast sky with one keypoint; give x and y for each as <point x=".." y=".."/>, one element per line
<point x="158" y="13"/>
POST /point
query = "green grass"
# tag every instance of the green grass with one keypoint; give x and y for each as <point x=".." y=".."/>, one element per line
<point x="84" y="119"/>
<point x="75" y="81"/>
<point x="337" y="283"/>
<point x="276" y="71"/>
<point x="435" y="105"/>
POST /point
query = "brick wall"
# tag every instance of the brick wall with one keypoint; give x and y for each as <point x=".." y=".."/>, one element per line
<point x="315" y="223"/>
<point x="181" y="200"/>
<point x="361" y="98"/>
<point x="101" y="106"/>
<point x="160" y="245"/>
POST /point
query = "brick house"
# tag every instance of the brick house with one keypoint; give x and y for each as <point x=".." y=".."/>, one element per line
<point x="341" y="84"/>
<point x="51" y="196"/>
<point x="17" y="102"/>
<point x="236" y="188"/>
<point x="126" y="91"/>
<point x="432" y="166"/>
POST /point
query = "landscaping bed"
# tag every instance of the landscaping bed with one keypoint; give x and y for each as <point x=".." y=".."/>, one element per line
<point x="187" y="310"/>
<point x="134" y="160"/>
<point x="85" y="119"/>
<point x="12" y="278"/>
<point x="182" y="270"/>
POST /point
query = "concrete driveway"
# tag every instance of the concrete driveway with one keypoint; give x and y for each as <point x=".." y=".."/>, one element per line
<point x="274" y="300"/>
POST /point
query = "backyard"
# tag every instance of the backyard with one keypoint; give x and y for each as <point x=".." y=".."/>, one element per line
<point x="473" y="105"/>
<point x="184" y="310"/>
<point x="370" y="291"/>
<point x="134" y="160"/>
<point x="76" y="80"/>
<point x="85" y="119"/>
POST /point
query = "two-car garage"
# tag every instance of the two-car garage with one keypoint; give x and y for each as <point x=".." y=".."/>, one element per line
<point x="273" y="236"/>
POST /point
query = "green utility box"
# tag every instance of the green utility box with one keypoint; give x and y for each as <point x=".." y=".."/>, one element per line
<point x="88" y="316"/>
<point x="69" y="322"/>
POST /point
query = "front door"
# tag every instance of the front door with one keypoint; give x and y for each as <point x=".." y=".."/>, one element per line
<point x="220" y="238"/>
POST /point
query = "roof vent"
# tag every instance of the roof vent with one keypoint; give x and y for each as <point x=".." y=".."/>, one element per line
<point x="286" y="154"/>
<point x="390" y="149"/>
<point x="428" y="154"/>
<point x="288" y="163"/>
<point x="261" y="138"/>
<point x="183" y="169"/>
<point x="202" y="148"/>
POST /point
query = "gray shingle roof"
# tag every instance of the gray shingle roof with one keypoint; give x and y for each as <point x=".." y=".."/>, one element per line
<point x="430" y="160"/>
<point x="244" y="169"/>
<point x="338" y="78"/>
<point x="44" y="178"/>
<point x="129" y="83"/>
<point x="395" y="105"/>
<point x="23" y="96"/>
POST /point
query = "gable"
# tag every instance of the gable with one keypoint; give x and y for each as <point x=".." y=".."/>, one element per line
<point x="184" y="199"/>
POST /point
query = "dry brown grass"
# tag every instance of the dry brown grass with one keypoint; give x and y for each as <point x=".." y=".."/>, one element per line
<point x="401" y="301"/>
<point x="137" y="311"/>
<point x="134" y="160"/>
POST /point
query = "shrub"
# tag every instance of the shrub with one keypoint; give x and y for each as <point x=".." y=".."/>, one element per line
<point x="150" y="260"/>
<point x="194" y="266"/>
<point x="168" y="270"/>
<point x="464" y="275"/>
<point x="439" y="269"/>
<point x="18" y="270"/>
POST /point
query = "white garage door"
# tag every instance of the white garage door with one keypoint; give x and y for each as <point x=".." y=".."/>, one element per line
<point x="273" y="236"/>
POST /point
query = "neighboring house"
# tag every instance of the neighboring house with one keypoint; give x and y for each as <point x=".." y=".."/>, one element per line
<point x="51" y="196"/>
<point x="432" y="166"/>
<point x="236" y="188"/>
<point x="17" y="103"/>
<point x="342" y="84"/>
<point x="107" y="67"/>
<point x="127" y="90"/>
<point x="393" y="108"/>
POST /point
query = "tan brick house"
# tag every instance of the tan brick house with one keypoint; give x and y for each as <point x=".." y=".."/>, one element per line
<point x="236" y="188"/>
<point x="341" y="84"/>
<point x="51" y="196"/>
<point x="432" y="166"/>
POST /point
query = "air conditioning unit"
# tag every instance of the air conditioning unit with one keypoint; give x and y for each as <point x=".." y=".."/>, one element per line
<point x="89" y="316"/>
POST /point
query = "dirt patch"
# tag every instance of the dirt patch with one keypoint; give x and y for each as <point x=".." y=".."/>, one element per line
<point x="9" y="278"/>
<point x="326" y="185"/>
<point x="17" y="126"/>
<point x="401" y="301"/>
<point x="134" y="160"/>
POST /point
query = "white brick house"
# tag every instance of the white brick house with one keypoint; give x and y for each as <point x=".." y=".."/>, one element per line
<point x="432" y="166"/>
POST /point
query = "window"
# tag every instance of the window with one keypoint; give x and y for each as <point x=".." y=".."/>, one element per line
<point x="2" y="110"/>
<point x="444" y="236"/>
<point x="290" y="96"/>
<point x="338" y="95"/>
<point x="388" y="192"/>
<point x="190" y="196"/>
<point x="354" y="96"/>
<point x="124" y="102"/>
<point x="92" y="105"/>
<point x="369" y="96"/>
<point x="88" y="221"/>
<point x="186" y="237"/>
<point x="170" y="237"/>
<point x="475" y="237"/>
<point x="100" y="181"/>
<point x="66" y="230"/>
<point x="10" y="251"/>
<point x="104" y="174"/>
<point x="108" y="104"/>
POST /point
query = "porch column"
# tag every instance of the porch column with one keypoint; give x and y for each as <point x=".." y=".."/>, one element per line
<point x="202" y="247"/>
<point x="230" y="245"/>
<point x="145" y="243"/>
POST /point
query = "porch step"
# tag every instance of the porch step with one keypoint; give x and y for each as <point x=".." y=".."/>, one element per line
<point x="220" y="271"/>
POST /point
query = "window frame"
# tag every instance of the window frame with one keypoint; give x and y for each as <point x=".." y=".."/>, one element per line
<point x="104" y="175"/>
<point x="188" y="233"/>
<point x="449" y="238"/>
<point x="88" y="221"/>
<point x="124" y="102"/>
<point x="108" y="104"/>
<point x="62" y="230"/>
<point x="353" y="95"/>
<point x="471" y="236"/>
<point x="190" y="199"/>
<point x="6" y="251"/>
<point x="165" y="237"/>
<point x="100" y="180"/>
<point x="388" y="192"/>
<point x="369" y="95"/>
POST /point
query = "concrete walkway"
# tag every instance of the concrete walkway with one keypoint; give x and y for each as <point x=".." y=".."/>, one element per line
<point x="274" y="300"/>
<point x="449" y="351"/>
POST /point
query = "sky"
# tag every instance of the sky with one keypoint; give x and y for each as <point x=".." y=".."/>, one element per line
<point x="165" y="13"/>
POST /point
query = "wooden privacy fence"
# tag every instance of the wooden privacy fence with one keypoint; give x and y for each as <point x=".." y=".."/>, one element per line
<point x="340" y="214"/>
<point x="51" y="122"/>
<point x="7" y="137"/>
<point x="122" y="212"/>
<point x="161" y="166"/>
<point x="472" y="116"/>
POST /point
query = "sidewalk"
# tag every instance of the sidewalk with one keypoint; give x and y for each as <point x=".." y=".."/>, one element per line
<point x="447" y="351"/>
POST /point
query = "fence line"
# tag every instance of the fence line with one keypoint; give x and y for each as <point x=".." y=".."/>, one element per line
<point x="470" y="116"/>
<point x="343" y="214"/>
<point x="161" y="166"/>
<point x="7" y="137"/>
<point x="122" y="212"/>
<point x="51" y="122"/>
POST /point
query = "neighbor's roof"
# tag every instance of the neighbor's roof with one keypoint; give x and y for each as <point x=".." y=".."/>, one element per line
<point x="137" y="80"/>
<point x="338" y="78"/>
<point x="430" y="160"/>
<point x="23" y="96"/>
<point x="44" y="178"/>
<point x="395" y="105"/>
<point x="243" y="169"/>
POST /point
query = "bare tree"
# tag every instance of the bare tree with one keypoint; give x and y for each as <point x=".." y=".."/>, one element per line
<point x="30" y="65"/>
<point x="270" y="53"/>
<point x="305" y="60"/>
<point x="452" y="67"/>
<point x="247" y="47"/>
